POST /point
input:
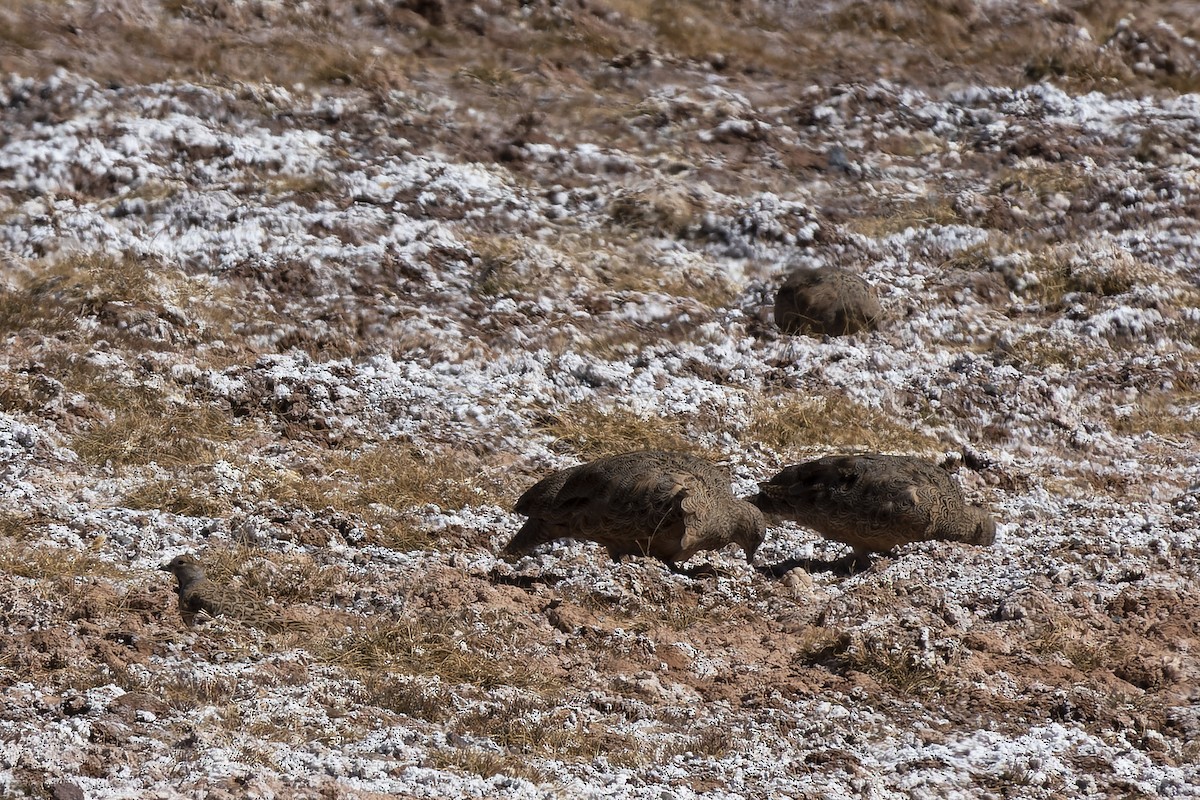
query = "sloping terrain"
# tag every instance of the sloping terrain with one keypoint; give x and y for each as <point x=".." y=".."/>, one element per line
<point x="315" y="290"/>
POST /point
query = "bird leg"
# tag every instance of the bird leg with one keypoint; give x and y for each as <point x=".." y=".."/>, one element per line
<point x="858" y="561"/>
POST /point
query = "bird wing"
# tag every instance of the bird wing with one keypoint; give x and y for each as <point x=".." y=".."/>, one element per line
<point x="695" y="500"/>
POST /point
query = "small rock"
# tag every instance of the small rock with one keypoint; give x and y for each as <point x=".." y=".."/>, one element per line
<point x="75" y="705"/>
<point x="798" y="580"/>
<point x="65" y="790"/>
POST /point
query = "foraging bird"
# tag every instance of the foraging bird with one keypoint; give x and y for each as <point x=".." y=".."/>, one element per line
<point x="651" y="502"/>
<point x="875" y="502"/>
<point x="827" y="301"/>
<point x="198" y="596"/>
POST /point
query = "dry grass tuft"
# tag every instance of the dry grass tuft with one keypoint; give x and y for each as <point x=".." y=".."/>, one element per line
<point x="659" y="605"/>
<point x="401" y="476"/>
<point x="1037" y="182"/>
<point x="1066" y="638"/>
<point x="1077" y="65"/>
<point x="408" y="696"/>
<point x="176" y="497"/>
<point x="442" y="646"/>
<point x="698" y="29"/>
<point x="659" y="210"/>
<point x="1052" y="274"/>
<point x="1037" y="350"/>
<point x="487" y="764"/>
<point x="710" y="287"/>
<point x="904" y="215"/>
<point x="505" y="265"/>
<point x="291" y="578"/>
<point x="817" y="644"/>
<point x="1165" y="414"/>
<point x="945" y="25"/>
<point x="46" y="563"/>
<point x="508" y="265"/>
<point x="80" y="285"/>
<point x="898" y="668"/>
<point x="795" y="426"/>
<point x="145" y="429"/>
<point x="710" y="742"/>
<point x="186" y="691"/>
<point x="536" y="726"/>
<point x="16" y="525"/>
<point x="380" y="490"/>
<point x="589" y="432"/>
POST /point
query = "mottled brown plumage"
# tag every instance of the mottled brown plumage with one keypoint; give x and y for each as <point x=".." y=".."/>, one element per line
<point x="875" y="502"/>
<point x="199" y="598"/>
<point x="827" y="301"/>
<point x="652" y="502"/>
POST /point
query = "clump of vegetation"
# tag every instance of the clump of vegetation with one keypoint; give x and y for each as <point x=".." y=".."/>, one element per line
<point x="886" y="221"/>
<point x="1066" y="638"/>
<point x="186" y="690"/>
<point x="591" y="432"/>
<point x="289" y="578"/>
<point x="662" y="211"/>
<point x="534" y="726"/>
<point x="504" y="265"/>
<point x="54" y="298"/>
<point x="25" y="560"/>
<point x="412" y="697"/>
<point x="1166" y="414"/>
<point x="945" y="22"/>
<point x="176" y="496"/>
<point x="1038" y="182"/>
<point x="144" y="428"/>
<point x="485" y="764"/>
<point x="900" y="668"/>
<point x="399" y="475"/>
<point x="1051" y="274"/>
<point x="795" y="425"/>
<point x="449" y="648"/>
<point x="710" y="742"/>
<point x="712" y="288"/>
<point x="378" y="490"/>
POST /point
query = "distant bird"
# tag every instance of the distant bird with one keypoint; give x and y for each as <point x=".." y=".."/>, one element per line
<point x="656" y="503"/>
<point x="875" y="502"/>
<point x="828" y="301"/>
<point x="200" y="597"/>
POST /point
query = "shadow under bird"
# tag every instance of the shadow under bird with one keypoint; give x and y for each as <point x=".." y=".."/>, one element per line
<point x="875" y="502"/>
<point x="668" y="505"/>
<point x="200" y="598"/>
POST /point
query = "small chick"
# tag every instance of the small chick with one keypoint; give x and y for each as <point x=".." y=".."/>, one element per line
<point x="200" y="597"/>
<point x="656" y="503"/>
<point x="875" y="502"/>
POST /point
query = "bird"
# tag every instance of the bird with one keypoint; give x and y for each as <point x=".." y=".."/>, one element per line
<point x="200" y="598"/>
<point x="829" y="301"/>
<point x="664" y="504"/>
<point x="875" y="502"/>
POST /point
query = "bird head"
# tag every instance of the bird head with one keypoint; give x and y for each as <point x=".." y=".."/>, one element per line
<point x="184" y="567"/>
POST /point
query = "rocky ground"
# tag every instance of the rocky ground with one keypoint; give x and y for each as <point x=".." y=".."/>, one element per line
<point x="316" y="290"/>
